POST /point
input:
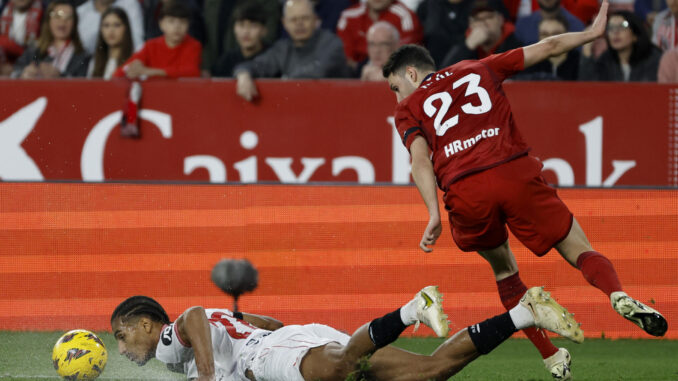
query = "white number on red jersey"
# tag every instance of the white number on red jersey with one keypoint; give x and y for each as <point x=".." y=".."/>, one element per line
<point x="445" y="98"/>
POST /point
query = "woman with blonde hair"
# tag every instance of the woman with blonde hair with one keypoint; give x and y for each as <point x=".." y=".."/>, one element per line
<point x="58" y="52"/>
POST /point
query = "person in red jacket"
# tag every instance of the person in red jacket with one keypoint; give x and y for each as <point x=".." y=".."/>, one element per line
<point x="173" y="55"/>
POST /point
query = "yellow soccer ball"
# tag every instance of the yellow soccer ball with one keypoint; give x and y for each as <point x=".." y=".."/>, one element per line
<point x="79" y="355"/>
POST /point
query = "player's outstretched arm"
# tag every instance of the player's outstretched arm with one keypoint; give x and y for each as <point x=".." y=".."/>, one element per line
<point x="424" y="177"/>
<point x="263" y="322"/>
<point x="194" y="329"/>
<point x="562" y="43"/>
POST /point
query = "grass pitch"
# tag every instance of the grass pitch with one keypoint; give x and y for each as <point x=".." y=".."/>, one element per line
<point x="27" y="356"/>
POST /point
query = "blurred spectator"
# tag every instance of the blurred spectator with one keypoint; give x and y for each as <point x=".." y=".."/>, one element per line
<point x="382" y="40"/>
<point x="19" y="27"/>
<point x="114" y="44"/>
<point x="564" y="67"/>
<point x="310" y="52"/>
<point x="328" y="12"/>
<point x="218" y="15"/>
<point x="488" y="33"/>
<point x="630" y="55"/>
<point x="58" y="51"/>
<point x="648" y="9"/>
<point x="668" y="67"/>
<point x="527" y="28"/>
<point x="356" y="20"/>
<point x="152" y="10"/>
<point x="444" y="22"/>
<point x="584" y="10"/>
<point x="173" y="55"/>
<point x="250" y="30"/>
<point x="90" y="12"/>
<point x="664" y="28"/>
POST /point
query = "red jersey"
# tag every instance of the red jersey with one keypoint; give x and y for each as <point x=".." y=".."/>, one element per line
<point x="355" y="21"/>
<point x="465" y="117"/>
<point x="181" y="61"/>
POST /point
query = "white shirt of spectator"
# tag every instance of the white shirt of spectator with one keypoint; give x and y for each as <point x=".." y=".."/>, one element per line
<point x="89" y="20"/>
<point x="232" y="355"/>
<point x="18" y="30"/>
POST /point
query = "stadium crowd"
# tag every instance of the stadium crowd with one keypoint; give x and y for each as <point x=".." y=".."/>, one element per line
<point x="248" y="39"/>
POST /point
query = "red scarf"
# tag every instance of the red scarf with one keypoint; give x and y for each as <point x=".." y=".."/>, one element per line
<point x="33" y="16"/>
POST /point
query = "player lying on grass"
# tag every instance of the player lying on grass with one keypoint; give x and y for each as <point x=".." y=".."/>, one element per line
<point x="216" y="344"/>
<point x="458" y="125"/>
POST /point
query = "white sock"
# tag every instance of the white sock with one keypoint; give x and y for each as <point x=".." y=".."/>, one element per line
<point x="408" y="312"/>
<point x="521" y="316"/>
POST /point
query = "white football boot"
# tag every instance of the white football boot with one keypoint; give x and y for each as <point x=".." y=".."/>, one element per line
<point x="640" y="314"/>
<point x="559" y="365"/>
<point x="550" y="315"/>
<point x="430" y="311"/>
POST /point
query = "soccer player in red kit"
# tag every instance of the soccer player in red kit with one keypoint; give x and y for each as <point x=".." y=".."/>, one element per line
<point x="458" y="126"/>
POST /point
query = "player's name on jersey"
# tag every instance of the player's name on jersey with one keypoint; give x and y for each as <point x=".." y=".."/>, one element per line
<point x="437" y="77"/>
<point x="459" y="145"/>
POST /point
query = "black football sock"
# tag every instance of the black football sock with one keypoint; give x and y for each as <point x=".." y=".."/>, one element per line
<point x="490" y="333"/>
<point x="386" y="329"/>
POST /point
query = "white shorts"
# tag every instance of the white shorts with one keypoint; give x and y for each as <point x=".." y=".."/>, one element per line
<point x="279" y="355"/>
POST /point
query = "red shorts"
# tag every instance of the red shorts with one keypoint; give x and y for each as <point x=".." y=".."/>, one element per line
<point x="514" y="194"/>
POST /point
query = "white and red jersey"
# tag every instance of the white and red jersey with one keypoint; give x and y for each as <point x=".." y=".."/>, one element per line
<point x="233" y="344"/>
<point x="465" y="117"/>
<point x="355" y="21"/>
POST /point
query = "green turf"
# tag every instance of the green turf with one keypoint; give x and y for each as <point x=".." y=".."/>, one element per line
<point x="27" y="356"/>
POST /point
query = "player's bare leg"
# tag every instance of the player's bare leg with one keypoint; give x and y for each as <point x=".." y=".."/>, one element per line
<point x="511" y="288"/>
<point x="599" y="272"/>
<point x="334" y="361"/>
<point x="536" y="308"/>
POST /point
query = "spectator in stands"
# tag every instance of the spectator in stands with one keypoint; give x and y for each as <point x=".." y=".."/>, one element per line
<point x="173" y="55"/>
<point x="90" y="13"/>
<point x="218" y="16"/>
<point x="630" y="55"/>
<point x="58" y="51"/>
<point x="668" y="67"/>
<point x="444" y="22"/>
<point x="355" y="21"/>
<point x="250" y="30"/>
<point x="564" y="67"/>
<point x="19" y="27"/>
<point x="310" y="52"/>
<point x="382" y="40"/>
<point x="664" y="27"/>
<point x="527" y="27"/>
<point x="152" y="10"/>
<point x="114" y="44"/>
<point x="489" y="33"/>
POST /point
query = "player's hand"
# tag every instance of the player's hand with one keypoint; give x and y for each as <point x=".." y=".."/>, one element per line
<point x="245" y="87"/>
<point x="600" y="23"/>
<point x="431" y="234"/>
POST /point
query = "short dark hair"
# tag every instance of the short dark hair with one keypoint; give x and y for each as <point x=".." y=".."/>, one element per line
<point x="175" y="9"/>
<point x="408" y="55"/>
<point x="250" y="11"/>
<point x="140" y="306"/>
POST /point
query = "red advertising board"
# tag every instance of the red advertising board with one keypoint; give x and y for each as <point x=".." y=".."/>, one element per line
<point x="338" y="255"/>
<point x="591" y="134"/>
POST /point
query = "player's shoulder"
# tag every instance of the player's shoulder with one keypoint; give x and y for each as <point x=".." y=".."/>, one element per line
<point x="171" y="349"/>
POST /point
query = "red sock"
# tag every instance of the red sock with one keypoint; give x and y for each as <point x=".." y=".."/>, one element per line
<point x="598" y="271"/>
<point x="511" y="290"/>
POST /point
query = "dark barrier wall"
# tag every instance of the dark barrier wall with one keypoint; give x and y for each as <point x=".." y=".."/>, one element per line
<point x="339" y="255"/>
<point x="586" y="133"/>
